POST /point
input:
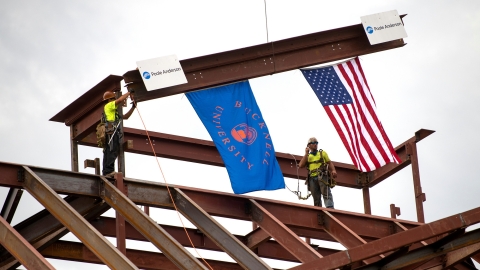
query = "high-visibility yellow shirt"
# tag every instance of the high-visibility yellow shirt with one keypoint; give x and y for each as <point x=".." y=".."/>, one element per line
<point x="312" y="161"/>
<point x="110" y="111"/>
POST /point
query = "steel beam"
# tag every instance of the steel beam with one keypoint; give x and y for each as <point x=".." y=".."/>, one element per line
<point x="266" y="59"/>
<point x="395" y="241"/>
<point x="72" y="251"/>
<point x="302" y="217"/>
<point x="386" y="171"/>
<point x="455" y="250"/>
<point x="20" y="248"/>
<point x="148" y="228"/>
<point x="11" y="203"/>
<point x="256" y="237"/>
<point x="343" y="234"/>
<point x="222" y="238"/>
<point x="269" y="249"/>
<point x="74" y="222"/>
<point x="42" y="228"/>
<point x="281" y="233"/>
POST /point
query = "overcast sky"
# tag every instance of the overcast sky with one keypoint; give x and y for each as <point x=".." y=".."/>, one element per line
<point x="53" y="51"/>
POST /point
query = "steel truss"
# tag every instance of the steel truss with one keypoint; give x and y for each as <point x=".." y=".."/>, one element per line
<point x="371" y="242"/>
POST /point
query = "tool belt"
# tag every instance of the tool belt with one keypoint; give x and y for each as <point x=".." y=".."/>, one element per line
<point x="110" y="127"/>
<point x="322" y="175"/>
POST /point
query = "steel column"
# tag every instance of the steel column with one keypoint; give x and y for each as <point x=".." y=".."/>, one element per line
<point x="419" y="195"/>
<point x="395" y="241"/>
<point x="281" y="233"/>
<point x="20" y="248"/>
<point x="11" y="203"/>
<point x="75" y="222"/>
<point x="210" y="227"/>
<point x="394" y="211"/>
<point x="148" y="228"/>
<point x="73" y="150"/>
<point x="366" y="200"/>
<point x="120" y="220"/>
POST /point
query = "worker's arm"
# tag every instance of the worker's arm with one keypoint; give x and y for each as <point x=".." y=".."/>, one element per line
<point x="332" y="170"/>
<point x="127" y="115"/>
<point x="122" y="98"/>
<point x="304" y="160"/>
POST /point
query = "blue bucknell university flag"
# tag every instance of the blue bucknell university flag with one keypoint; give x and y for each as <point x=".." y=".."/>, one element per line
<point x="235" y="123"/>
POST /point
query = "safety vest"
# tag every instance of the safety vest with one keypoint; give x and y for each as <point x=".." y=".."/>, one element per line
<point x="316" y="162"/>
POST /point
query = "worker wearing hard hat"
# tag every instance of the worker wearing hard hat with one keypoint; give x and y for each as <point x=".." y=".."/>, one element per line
<point x="113" y="131"/>
<point x="321" y="173"/>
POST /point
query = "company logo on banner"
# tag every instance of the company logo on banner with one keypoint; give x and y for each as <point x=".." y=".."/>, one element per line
<point x="161" y="72"/>
<point x="383" y="27"/>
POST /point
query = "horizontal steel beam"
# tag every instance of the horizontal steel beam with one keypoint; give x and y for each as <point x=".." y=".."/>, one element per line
<point x="266" y="59"/>
<point x="269" y="249"/>
<point x="217" y="233"/>
<point x="20" y="248"/>
<point x="73" y="221"/>
<point x="396" y="241"/>
<point x="301" y="217"/>
<point x="205" y="152"/>
<point x="148" y="228"/>
<point x="65" y="250"/>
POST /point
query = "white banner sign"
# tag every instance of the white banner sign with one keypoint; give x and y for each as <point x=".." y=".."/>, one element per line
<point x="161" y="72"/>
<point x="383" y="27"/>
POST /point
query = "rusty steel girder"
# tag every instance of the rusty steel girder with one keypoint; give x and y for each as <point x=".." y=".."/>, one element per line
<point x="266" y="59"/>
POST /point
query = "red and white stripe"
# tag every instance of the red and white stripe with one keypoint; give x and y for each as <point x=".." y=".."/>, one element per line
<point x="357" y="123"/>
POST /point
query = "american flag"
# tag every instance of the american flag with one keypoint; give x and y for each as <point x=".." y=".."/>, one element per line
<point x="344" y="93"/>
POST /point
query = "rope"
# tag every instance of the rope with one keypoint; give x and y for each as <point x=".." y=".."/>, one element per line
<point x="266" y="28"/>
<point x="298" y="192"/>
<point x="168" y="188"/>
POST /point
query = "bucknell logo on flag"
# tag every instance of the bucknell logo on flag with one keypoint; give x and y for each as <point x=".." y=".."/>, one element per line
<point x="232" y="118"/>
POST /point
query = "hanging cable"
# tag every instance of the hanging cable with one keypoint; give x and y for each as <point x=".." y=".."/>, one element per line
<point x="298" y="192"/>
<point x="168" y="188"/>
<point x="268" y="40"/>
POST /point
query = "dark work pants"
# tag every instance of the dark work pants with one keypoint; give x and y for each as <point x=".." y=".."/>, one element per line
<point x="319" y="190"/>
<point x="110" y="154"/>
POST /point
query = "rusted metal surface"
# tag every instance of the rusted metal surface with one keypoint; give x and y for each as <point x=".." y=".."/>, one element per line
<point x="65" y="250"/>
<point x="395" y="241"/>
<point x="88" y="100"/>
<point x="342" y="233"/>
<point x="120" y="220"/>
<point x="453" y="258"/>
<point x="73" y="151"/>
<point x="266" y="59"/>
<point x="417" y="187"/>
<point x="470" y="239"/>
<point x="367" y="208"/>
<point x="75" y="223"/>
<point x="389" y="169"/>
<point x="42" y="228"/>
<point x="215" y="203"/>
<point x="205" y="152"/>
<point x="20" y="248"/>
<point x="222" y="238"/>
<point x="148" y="228"/>
<point x="95" y="163"/>
<point x="394" y="211"/>
<point x="269" y="249"/>
<point x="281" y="233"/>
<point x="256" y="237"/>
<point x="11" y="203"/>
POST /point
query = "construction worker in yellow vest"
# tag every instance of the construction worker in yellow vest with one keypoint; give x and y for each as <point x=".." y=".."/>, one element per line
<point x="113" y="131"/>
<point x="320" y="173"/>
